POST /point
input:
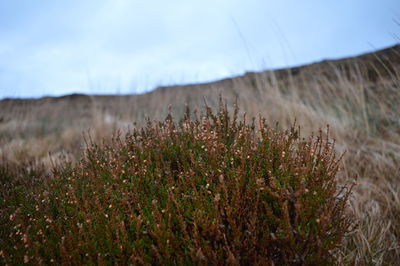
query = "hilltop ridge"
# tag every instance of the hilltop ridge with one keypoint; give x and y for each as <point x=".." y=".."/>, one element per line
<point x="381" y="62"/>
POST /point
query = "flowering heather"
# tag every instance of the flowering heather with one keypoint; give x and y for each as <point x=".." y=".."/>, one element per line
<point x="208" y="190"/>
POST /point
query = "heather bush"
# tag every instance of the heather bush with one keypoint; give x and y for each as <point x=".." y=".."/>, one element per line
<point x="206" y="190"/>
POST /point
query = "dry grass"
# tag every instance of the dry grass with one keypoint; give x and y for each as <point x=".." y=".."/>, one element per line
<point x="359" y="99"/>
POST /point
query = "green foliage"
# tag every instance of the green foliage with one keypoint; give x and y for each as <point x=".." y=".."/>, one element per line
<point x="212" y="190"/>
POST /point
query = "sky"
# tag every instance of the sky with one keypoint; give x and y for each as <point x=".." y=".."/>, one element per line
<point x="52" y="48"/>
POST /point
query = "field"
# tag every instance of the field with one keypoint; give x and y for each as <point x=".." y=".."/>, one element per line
<point x="359" y="98"/>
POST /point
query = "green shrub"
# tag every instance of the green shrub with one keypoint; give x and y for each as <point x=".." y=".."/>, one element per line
<point x="212" y="190"/>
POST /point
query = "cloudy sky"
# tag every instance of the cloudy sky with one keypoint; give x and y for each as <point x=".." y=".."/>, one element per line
<point x="52" y="47"/>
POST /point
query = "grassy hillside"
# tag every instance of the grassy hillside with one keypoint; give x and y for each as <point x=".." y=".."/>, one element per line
<point x="342" y="93"/>
<point x="358" y="97"/>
